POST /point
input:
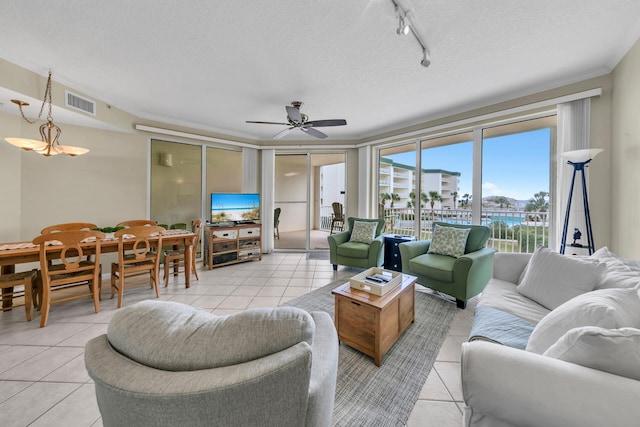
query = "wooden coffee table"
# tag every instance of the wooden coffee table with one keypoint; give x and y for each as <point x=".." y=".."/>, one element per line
<point x="371" y="323"/>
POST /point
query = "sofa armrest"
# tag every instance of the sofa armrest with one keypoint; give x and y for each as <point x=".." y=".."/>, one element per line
<point x="409" y="250"/>
<point x="503" y="386"/>
<point x="509" y="266"/>
<point x="324" y="371"/>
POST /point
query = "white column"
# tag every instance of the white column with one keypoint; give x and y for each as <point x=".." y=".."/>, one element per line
<point x="268" y="191"/>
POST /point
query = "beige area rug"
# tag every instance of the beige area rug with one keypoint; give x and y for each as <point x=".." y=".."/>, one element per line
<point x="367" y="395"/>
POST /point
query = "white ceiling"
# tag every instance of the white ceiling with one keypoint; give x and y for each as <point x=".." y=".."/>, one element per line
<point x="211" y="65"/>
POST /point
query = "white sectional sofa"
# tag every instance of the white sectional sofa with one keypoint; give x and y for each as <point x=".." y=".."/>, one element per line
<point x="574" y="359"/>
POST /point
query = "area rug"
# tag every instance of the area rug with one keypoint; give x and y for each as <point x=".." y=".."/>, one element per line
<point x="367" y="395"/>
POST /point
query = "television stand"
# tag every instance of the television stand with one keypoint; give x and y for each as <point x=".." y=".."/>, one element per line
<point x="226" y="245"/>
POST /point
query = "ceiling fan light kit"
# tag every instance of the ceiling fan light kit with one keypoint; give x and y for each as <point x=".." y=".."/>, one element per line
<point x="297" y="120"/>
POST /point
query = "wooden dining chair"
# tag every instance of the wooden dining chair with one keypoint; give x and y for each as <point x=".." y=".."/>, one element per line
<point x="136" y="257"/>
<point x="136" y="223"/>
<point x="68" y="226"/>
<point x="8" y="284"/>
<point x="72" y="269"/>
<point x="175" y="258"/>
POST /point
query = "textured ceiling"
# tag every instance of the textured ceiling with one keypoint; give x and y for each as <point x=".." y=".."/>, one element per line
<point x="211" y="65"/>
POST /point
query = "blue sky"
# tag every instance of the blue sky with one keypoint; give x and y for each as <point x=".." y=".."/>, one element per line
<point x="515" y="165"/>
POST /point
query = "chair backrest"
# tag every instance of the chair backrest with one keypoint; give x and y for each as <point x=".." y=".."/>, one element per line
<point x="379" y="227"/>
<point x="338" y="213"/>
<point x="196" y="225"/>
<point x="276" y="216"/>
<point x="141" y="249"/>
<point x="478" y="235"/>
<point x="136" y="223"/>
<point x="74" y="246"/>
<point x="68" y="226"/>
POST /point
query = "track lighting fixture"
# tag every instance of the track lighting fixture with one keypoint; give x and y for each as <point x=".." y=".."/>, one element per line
<point x="426" y="58"/>
<point x="405" y="26"/>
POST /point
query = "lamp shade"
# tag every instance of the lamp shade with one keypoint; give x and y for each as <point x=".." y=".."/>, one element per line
<point x="581" y="156"/>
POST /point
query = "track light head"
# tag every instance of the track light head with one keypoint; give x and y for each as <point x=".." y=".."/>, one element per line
<point x="426" y="58"/>
<point x="403" y="27"/>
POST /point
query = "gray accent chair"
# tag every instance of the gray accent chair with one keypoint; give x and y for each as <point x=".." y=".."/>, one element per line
<point x="163" y="363"/>
<point x="355" y="254"/>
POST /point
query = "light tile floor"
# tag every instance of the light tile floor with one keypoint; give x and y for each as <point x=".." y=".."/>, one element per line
<point x="43" y="381"/>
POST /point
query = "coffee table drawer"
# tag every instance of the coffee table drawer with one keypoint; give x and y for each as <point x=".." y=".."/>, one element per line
<point x="357" y="323"/>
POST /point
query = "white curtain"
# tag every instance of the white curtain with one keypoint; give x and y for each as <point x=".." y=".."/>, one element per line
<point x="268" y="191"/>
<point x="573" y="134"/>
<point x="249" y="170"/>
<point x="365" y="178"/>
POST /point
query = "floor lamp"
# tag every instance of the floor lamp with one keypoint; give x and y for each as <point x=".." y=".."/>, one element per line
<point x="579" y="159"/>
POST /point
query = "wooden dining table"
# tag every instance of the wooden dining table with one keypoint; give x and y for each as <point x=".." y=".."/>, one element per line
<point x="14" y="253"/>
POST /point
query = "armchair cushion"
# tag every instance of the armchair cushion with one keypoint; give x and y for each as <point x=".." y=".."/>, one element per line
<point x="439" y="267"/>
<point x="363" y="232"/>
<point x="449" y="241"/>
<point x="175" y="337"/>
<point x="353" y="249"/>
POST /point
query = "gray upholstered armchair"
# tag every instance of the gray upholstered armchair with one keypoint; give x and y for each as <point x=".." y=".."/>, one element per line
<point x="346" y="249"/>
<point x="162" y="363"/>
<point x="463" y="277"/>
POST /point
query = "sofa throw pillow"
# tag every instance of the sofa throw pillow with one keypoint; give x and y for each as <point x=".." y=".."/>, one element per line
<point x="363" y="232"/>
<point x="551" y="279"/>
<point x="449" y="241"/>
<point x="177" y="337"/>
<point x="616" y="273"/>
<point x="616" y="351"/>
<point x="605" y="308"/>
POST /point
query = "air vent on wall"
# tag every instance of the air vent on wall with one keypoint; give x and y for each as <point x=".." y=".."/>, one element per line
<point x="79" y="103"/>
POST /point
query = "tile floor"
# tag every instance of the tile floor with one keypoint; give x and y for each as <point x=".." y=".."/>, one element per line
<point x="43" y="381"/>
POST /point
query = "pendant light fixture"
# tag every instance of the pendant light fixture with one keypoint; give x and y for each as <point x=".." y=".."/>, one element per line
<point x="50" y="132"/>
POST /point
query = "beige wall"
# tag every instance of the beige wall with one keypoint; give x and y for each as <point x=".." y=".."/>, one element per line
<point x="625" y="156"/>
<point x="106" y="187"/>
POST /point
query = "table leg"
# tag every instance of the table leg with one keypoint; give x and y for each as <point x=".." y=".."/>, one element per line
<point x="7" y="294"/>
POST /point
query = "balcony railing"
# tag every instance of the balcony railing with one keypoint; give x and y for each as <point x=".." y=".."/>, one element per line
<point x="511" y="231"/>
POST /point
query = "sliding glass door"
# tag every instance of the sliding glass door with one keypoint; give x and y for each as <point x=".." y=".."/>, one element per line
<point x="306" y="187"/>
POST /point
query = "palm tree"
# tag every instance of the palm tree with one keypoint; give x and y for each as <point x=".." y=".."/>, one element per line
<point x="432" y="198"/>
<point x="538" y="203"/>
<point x="455" y="199"/>
<point x="465" y="199"/>
<point x="381" y="204"/>
<point x="395" y="197"/>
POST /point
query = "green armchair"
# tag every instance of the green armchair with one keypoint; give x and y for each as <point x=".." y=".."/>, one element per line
<point x="355" y="254"/>
<point x="462" y="278"/>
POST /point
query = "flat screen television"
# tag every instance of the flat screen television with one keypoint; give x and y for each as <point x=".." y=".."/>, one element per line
<point x="236" y="207"/>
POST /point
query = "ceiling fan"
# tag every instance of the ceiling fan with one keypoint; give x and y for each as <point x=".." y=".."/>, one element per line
<point x="297" y="120"/>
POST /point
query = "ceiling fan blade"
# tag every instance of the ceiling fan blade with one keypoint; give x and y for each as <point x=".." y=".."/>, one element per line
<point x="283" y="133"/>
<point x="294" y="114"/>
<point x="314" y="132"/>
<point x="320" y="123"/>
<point x="268" y="123"/>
